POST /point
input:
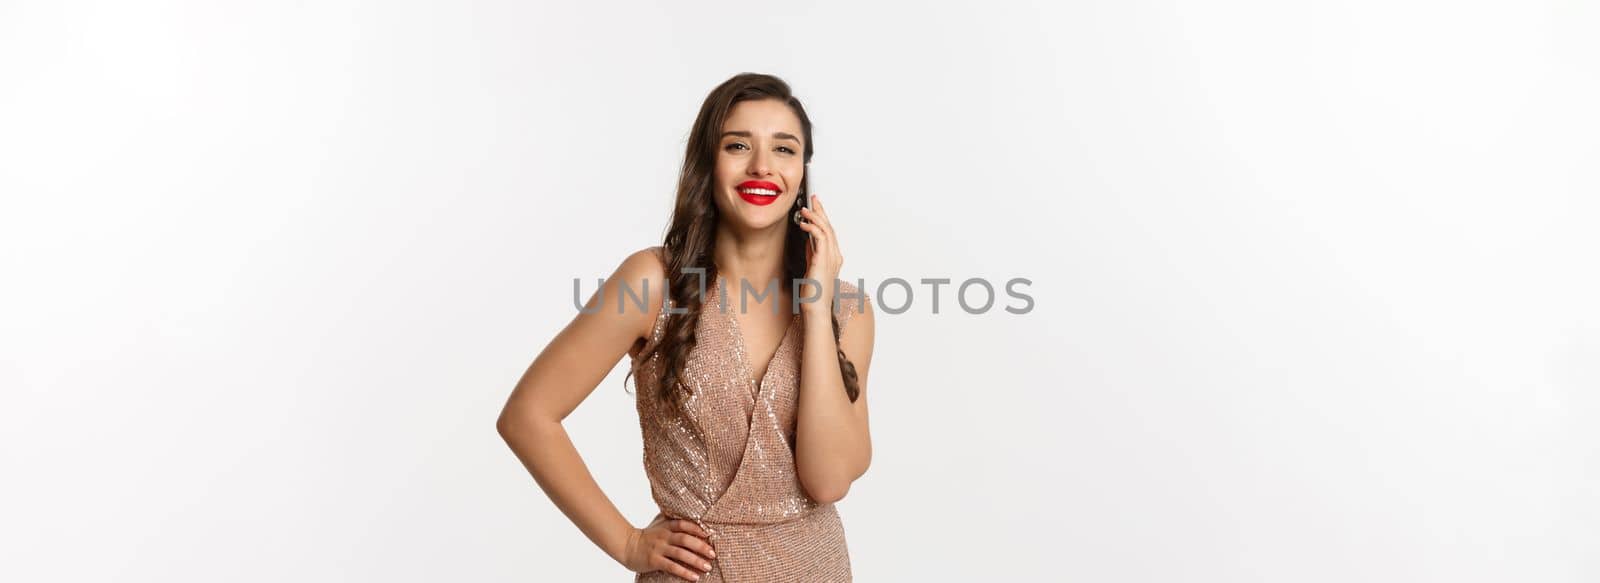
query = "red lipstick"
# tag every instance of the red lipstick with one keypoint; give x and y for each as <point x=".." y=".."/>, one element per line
<point x="758" y="192"/>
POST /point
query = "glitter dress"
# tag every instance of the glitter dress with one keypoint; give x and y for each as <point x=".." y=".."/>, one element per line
<point x="727" y="462"/>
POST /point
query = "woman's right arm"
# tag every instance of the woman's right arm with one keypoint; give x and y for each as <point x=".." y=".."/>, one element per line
<point x="563" y="375"/>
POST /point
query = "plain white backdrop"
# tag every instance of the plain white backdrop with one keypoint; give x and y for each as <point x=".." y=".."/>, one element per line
<point x="1314" y="281"/>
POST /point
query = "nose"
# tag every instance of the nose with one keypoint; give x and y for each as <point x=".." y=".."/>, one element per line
<point x="759" y="164"/>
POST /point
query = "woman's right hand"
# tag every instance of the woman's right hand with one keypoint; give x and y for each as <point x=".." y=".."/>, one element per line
<point x="679" y="547"/>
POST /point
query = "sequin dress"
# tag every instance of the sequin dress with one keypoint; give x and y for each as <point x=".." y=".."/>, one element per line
<point x="727" y="463"/>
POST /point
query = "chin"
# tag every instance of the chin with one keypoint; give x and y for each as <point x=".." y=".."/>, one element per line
<point x="759" y="217"/>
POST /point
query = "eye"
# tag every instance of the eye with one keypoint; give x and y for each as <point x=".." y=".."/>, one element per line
<point x="786" y="149"/>
<point x="731" y="146"/>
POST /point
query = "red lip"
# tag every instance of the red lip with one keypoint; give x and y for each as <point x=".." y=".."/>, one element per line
<point x="757" y="199"/>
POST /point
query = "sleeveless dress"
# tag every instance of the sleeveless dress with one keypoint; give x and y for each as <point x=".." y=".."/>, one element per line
<point x="727" y="461"/>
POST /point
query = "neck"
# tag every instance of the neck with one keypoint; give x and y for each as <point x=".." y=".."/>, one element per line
<point x="753" y="256"/>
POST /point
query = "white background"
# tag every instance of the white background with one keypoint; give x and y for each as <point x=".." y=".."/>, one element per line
<point x="1314" y="282"/>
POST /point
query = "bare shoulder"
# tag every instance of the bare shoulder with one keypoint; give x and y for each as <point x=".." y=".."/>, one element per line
<point x="644" y="265"/>
<point x="631" y="297"/>
<point x="857" y="328"/>
<point x="853" y="304"/>
<point x="645" y="273"/>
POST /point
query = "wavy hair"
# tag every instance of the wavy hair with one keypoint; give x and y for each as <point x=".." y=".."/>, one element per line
<point x="691" y="234"/>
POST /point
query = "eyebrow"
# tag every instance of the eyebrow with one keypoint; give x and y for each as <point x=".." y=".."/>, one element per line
<point x="778" y="135"/>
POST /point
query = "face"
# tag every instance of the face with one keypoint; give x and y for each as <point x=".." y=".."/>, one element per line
<point x="760" y="162"/>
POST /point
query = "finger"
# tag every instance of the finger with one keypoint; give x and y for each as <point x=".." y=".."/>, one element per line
<point x="833" y="235"/>
<point x="822" y="211"/>
<point x="819" y="238"/>
<point x="690" y="527"/>
<point x="815" y="222"/>
<point x="821" y="220"/>
<point x="816" y="230"/>
<point x="662" y="563"/>
<point x="815" y="215"/>
<point x="823" y="238"/>
<point x="693" y="543"/>
<point x="687" y="557"/>
<point x="822" y="241"/>
<point x="833" y="238"/>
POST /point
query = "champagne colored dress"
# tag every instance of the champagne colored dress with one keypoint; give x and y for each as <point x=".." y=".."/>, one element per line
<point x="727" y="463"/>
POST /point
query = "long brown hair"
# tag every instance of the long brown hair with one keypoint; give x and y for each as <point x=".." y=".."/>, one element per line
<point x="691" y="235"/>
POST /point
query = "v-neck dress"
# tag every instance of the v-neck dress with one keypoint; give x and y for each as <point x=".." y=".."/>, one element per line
<point x="726" y="461"/>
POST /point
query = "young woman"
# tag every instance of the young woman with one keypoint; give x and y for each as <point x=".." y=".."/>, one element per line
<point x="753" y="411"/>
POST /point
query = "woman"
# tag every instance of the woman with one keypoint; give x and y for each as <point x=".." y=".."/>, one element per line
<point x="753" y="412"/>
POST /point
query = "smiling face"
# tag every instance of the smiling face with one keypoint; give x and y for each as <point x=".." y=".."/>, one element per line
<point x="760" y="164"/>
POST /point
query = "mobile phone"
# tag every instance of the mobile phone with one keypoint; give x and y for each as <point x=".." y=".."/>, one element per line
<point x="805" y="197"/>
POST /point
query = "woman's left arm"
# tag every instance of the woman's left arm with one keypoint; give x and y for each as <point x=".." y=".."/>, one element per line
<point x="833" y="446"/>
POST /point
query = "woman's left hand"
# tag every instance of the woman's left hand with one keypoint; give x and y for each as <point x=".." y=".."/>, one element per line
<point x="823" y="258"/>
